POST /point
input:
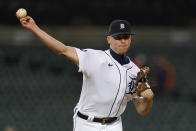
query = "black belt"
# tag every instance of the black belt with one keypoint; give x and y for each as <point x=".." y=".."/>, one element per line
<point x="100" y="120"/>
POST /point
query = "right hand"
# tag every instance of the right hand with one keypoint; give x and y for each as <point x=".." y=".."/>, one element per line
<point x="28" y="23"/>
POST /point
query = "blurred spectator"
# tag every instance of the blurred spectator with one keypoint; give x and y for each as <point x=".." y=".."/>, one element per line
<point x="140" y="60"/>
<point x="163" y="76"/>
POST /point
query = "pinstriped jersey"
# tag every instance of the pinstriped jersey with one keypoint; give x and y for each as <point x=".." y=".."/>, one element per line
<point x="106" y="83"/>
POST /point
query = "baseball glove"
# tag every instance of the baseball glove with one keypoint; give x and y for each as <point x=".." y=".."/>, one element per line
<point x="142" y="82"/>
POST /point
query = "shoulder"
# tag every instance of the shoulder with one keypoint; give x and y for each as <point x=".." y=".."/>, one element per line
<point x="89" y="59"/>
<point x="88" y="50"/>
<point x="91" y="53"/>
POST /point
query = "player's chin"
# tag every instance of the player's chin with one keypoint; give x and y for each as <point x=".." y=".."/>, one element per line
<point x="123" y="51"/>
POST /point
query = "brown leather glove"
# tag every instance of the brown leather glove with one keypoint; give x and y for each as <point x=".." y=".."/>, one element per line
<point x="142" y="80"/>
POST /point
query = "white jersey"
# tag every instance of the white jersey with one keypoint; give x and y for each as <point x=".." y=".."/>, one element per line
<point x="106" y="83"/>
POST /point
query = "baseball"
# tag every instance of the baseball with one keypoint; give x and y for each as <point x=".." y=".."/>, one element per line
<point x="21" y="13"/>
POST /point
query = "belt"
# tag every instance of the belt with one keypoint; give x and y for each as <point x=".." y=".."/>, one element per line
<point x="103" y="121"/>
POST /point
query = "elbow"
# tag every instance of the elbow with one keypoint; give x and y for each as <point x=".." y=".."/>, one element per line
<point x="60" y="52"/>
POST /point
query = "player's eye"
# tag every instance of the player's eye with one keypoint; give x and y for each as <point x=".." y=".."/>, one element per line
<point x="121" y="36"/>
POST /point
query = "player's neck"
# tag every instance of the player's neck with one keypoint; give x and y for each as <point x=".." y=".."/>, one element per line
<point x="115" y="53"/>
<point x="122" y="59"/>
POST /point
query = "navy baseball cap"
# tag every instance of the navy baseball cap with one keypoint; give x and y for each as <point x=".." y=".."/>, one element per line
<point x="119" y="27"/>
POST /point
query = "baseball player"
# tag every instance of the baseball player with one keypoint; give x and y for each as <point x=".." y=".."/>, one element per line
<point x="110" y="78"/>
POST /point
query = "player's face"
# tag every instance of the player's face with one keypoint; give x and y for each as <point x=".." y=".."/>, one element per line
<point x="119" y="43"/>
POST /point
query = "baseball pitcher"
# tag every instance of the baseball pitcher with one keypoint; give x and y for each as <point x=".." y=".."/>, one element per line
<point x="110" y="78"/>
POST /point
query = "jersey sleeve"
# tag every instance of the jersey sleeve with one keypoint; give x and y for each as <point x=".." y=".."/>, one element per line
<point x="86" y="60"/>
<point x="81" y="57"/>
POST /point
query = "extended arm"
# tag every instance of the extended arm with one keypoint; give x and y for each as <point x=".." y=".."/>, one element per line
<point x="55" y="45"/>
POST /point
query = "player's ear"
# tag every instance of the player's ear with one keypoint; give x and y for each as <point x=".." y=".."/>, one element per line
<point x="108" y="39"/>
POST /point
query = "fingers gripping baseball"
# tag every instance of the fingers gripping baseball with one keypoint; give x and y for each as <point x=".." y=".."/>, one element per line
<point x="26" y="21"/>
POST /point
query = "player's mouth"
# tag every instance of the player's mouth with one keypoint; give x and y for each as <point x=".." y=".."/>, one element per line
<point x="123" y="46"/>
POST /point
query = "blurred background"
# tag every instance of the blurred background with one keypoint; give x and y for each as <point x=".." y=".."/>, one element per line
<point x="38" y="89"/>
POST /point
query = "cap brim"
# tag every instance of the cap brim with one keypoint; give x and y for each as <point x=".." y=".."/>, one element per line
<point x="118" y="33"/>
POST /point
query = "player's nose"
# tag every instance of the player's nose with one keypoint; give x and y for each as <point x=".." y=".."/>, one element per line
<point x="122" y="40"/>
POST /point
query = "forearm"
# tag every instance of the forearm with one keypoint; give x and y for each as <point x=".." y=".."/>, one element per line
<point x="144" y="103"/>
<point x="49" y="41"/>
<point x="55" y="45"/>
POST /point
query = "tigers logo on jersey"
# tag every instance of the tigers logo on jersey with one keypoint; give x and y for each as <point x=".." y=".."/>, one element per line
<point x="130" y="89"/>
